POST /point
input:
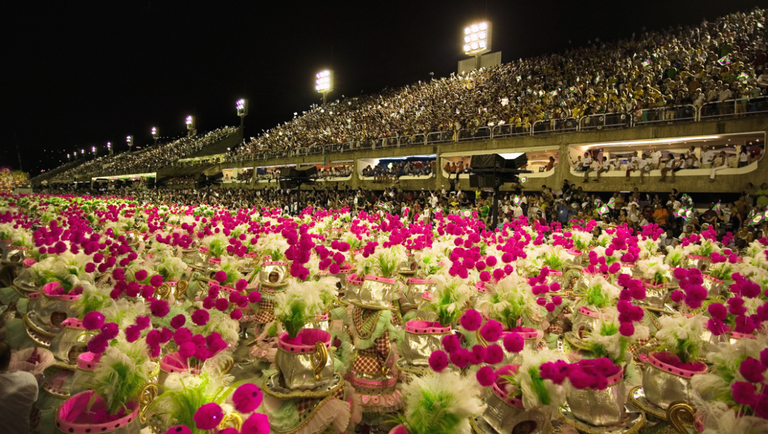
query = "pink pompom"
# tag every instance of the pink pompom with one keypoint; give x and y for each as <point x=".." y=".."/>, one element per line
<point x="241" y="284"/>
<point x="677" y="296"/>
<point x="614" y="268"/>
<point x="247" y="398"/>
<point x="132" y="333"/>
<point x="236" y="314"/>
<point x="513" y="342"/>
<point x="208" y="416"/>
<point x="718" y="311"/>
<point x="451" y="343"/>
<point x="222" y="304"/>
<point x="471" y="320"/>
<point x="485" y="376"/>
<point x="187" y="350"/>
<point x="460" y="357"/>
<point x="220" y="276"/>
<point x="178" y="321"/>
<point x="254" y="297"/>
<point x="118" y="274"/>
<point x="156" y="280"/>
<point x="491" y="331"/>
<point x="744" y="393"/>
<point x="110" y="330"/>
<point x="98" y="344"/>
<point x="626" y="329"/>
<point x="477" y="355"/>
<point x="93" y="320"/>
<point x="159" y="308"/>
<point x="493" y="354"/>
<point x="256" y="423"/>
<point x="140" y="275"/>
<point x="438" y="360"/>
<point x="200" y="317"/>
<point x="752" y="370"/>
<point x="142" y="321"/>
<point x="680" y="273"/>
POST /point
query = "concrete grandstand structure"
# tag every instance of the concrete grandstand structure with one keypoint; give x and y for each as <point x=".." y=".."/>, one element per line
<point x="562" y="144"/>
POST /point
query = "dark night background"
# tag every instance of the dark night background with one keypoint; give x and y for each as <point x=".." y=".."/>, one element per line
<point x="79" y="74"/>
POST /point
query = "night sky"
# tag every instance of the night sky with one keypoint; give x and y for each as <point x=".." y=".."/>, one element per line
<point x="80" y="73"/>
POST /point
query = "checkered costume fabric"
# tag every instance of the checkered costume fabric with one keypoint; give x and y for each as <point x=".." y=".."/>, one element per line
<point x="307" y="404"/>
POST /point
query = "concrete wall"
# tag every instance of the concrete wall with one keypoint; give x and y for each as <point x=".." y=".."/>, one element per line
<point x="725" y="182"/>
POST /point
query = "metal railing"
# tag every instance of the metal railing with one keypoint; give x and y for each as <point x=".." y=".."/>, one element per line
<point x="733" y="108"/>
<point x="554" y="125"/>
<point x="662" y="115"/>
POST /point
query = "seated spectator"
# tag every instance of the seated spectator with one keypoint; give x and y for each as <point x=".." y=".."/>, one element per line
<point x="18" y="394"/>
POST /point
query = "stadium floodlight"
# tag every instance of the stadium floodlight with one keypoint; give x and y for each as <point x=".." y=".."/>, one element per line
<point x="324" y="82"/>
<point x="242" y="111"/>
<point x="477" y="38"/>
<point x="155" y="135"/>
<point x="93" y="150"/>
<point x="82" y="152"/>
<point x="242" y="107"/>
<point x="129" y="140"/>
<point x="191" y="126"/>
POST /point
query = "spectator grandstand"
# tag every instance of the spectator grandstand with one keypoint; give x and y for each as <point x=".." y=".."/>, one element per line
<point x="148" y="159"/>
<point x="681" y="74"/>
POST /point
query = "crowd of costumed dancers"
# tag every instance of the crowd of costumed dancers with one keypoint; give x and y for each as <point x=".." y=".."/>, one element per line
<point x="197" y="319"/>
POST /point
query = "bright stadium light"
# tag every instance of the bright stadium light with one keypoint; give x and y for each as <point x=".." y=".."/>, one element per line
<point x="191" y="125"/>
<point x="129" y="140"/>
<point x="477" y="38"/>
<point x="155" y="135"/>
<point x="242" y="110"/>
<point x="93" y="150"/>
<point x="324" y="82"/>
<point x="242" y="107"/>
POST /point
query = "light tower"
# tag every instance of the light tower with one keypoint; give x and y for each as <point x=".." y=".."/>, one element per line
<point x="477" y="44"/>
<point x="324" y="82"/>
<point x="155" y="135"/>
<point x="129" y="140"/>
<point x="477" y="40"/>
<point x="109" y="148"/>
<point x="191" y="131"/>
<point x="242" y="111"/>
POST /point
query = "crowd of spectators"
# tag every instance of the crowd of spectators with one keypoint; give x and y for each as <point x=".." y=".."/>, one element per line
<point x="386" y="172"/>
<point x="639" y="209"/>
<point x="180" y="180"/>
<point x="335" y="171"/>
<point x="710" y="157"/>
<point x="146" y="160"/>
<point x="714" y="62"/>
